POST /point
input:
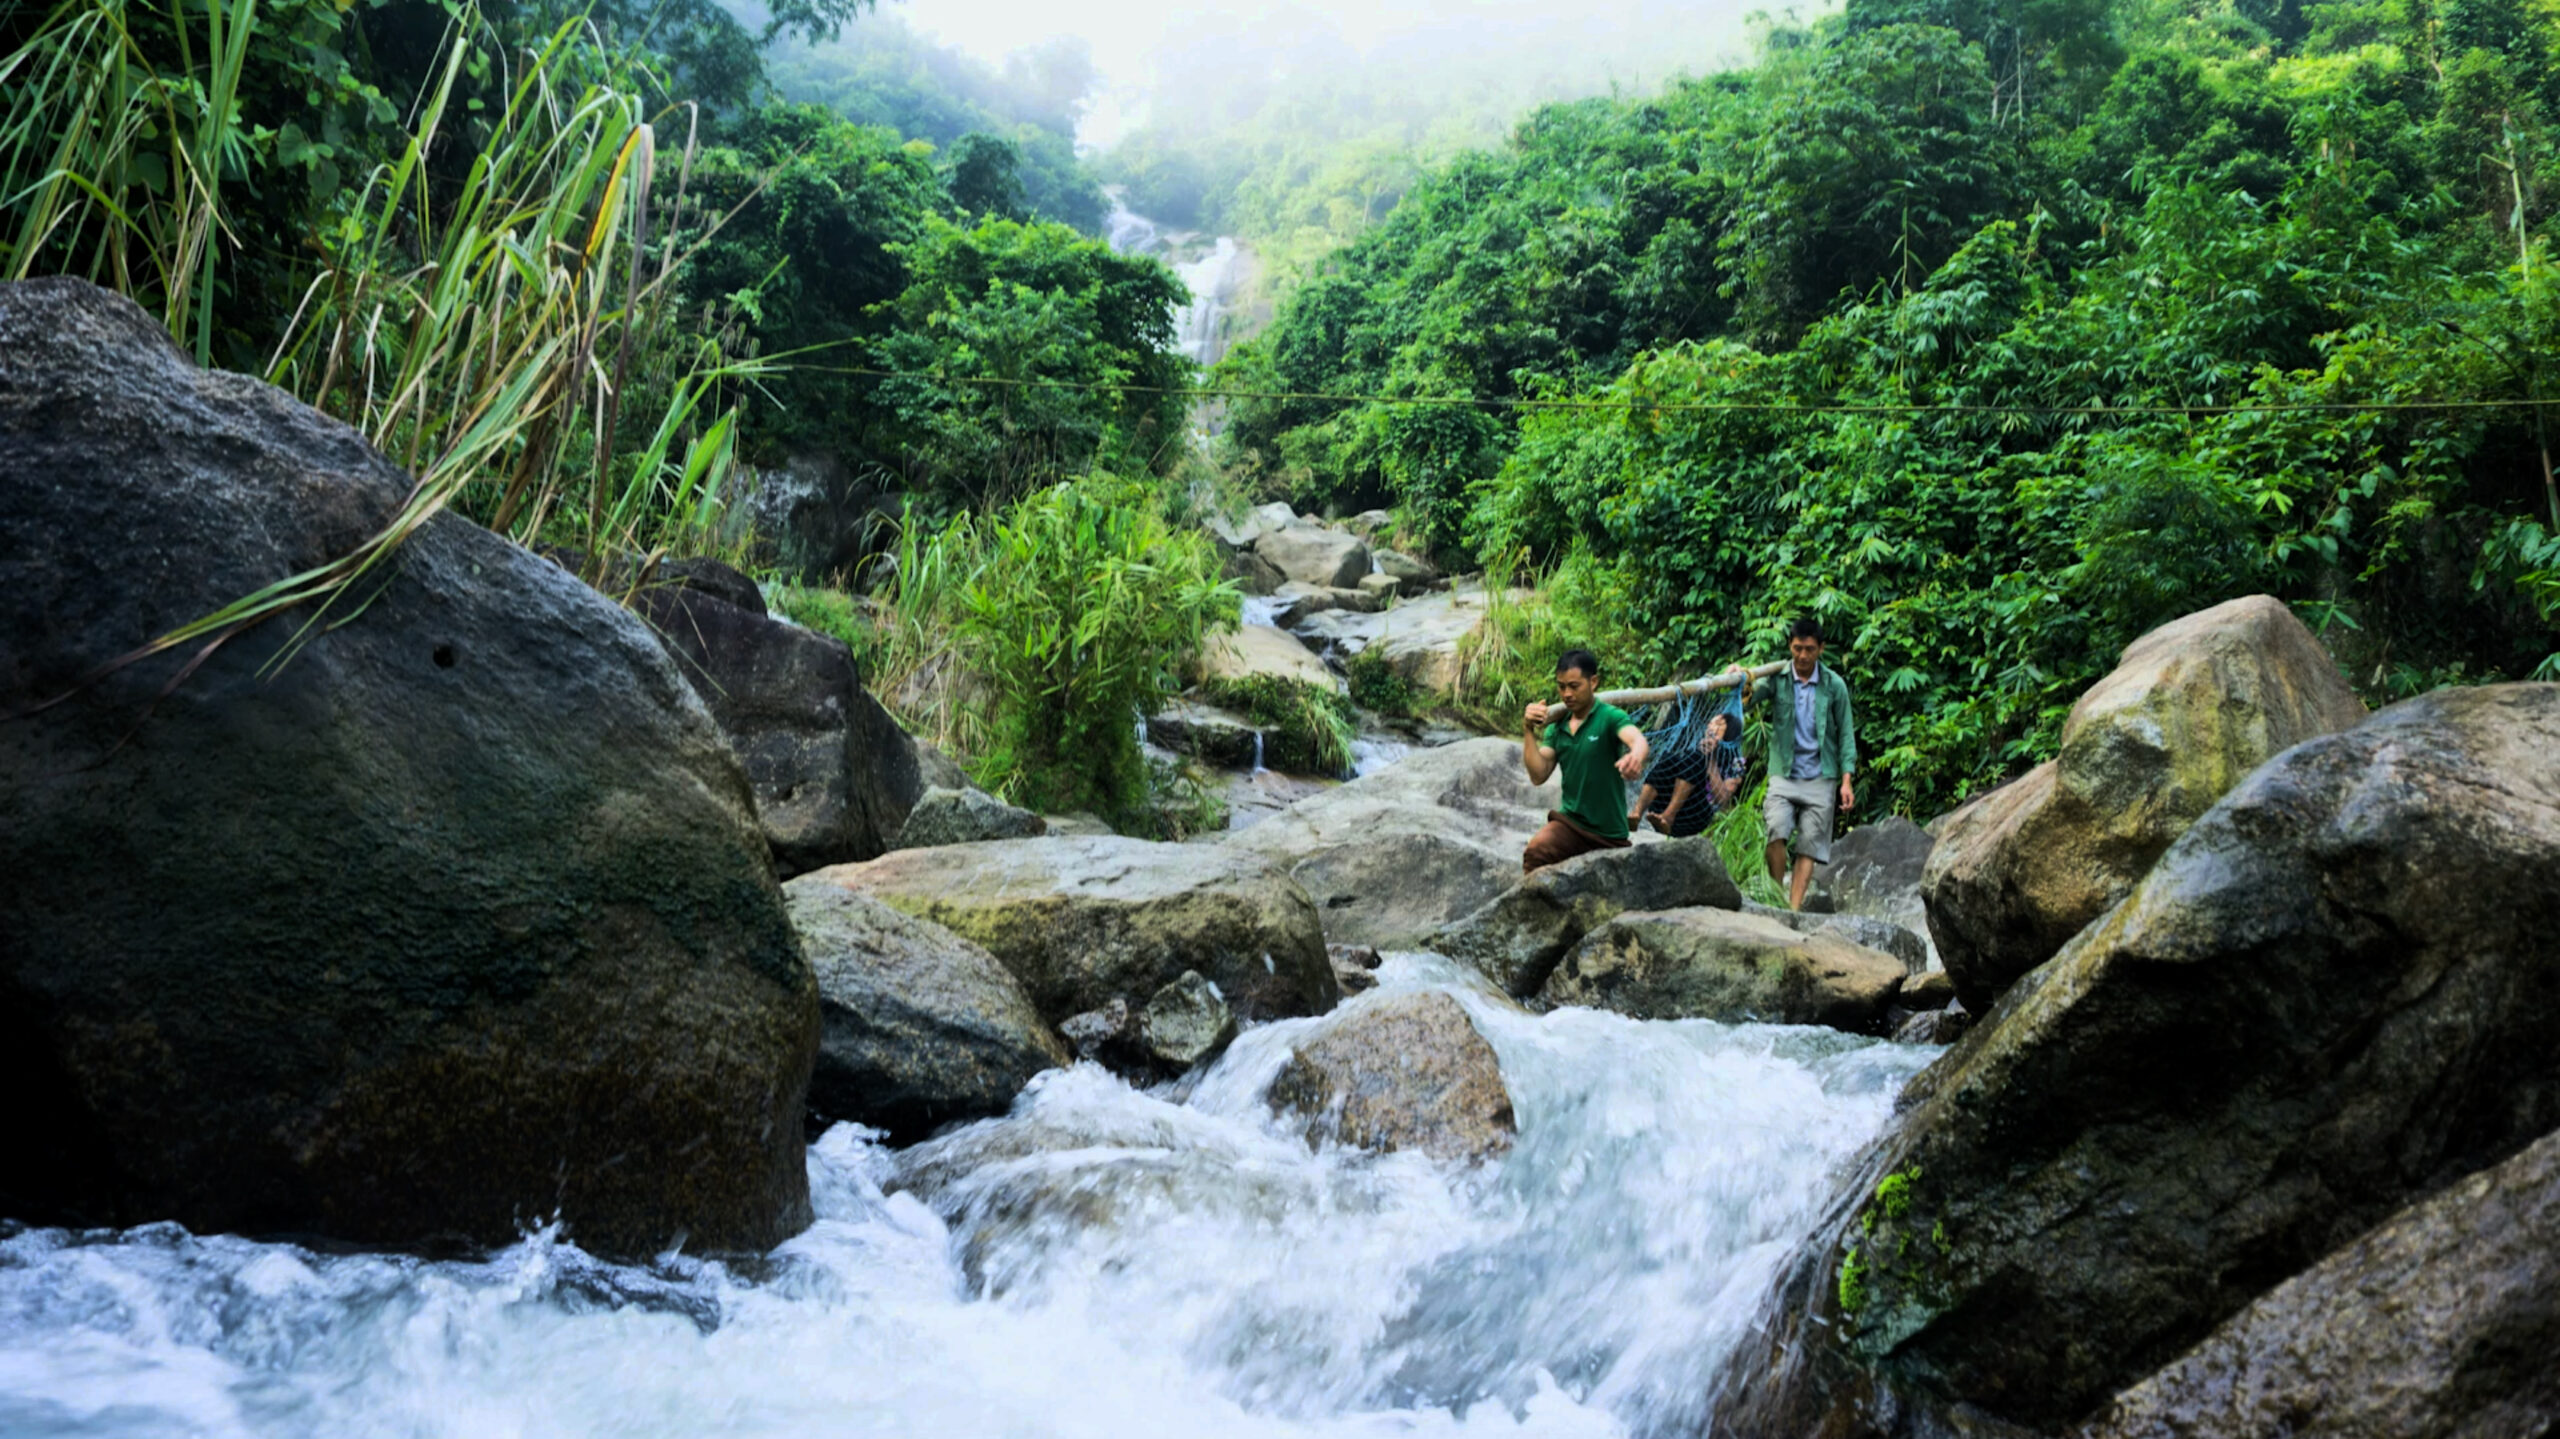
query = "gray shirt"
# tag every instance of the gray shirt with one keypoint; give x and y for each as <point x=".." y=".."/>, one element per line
<point x="1808" y="759"/>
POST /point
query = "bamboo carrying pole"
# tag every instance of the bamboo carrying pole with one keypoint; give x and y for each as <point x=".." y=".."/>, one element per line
<point x="1668" y="693"/>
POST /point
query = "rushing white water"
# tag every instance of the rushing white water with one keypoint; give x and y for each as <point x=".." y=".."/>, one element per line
<point x="1115" y="1264"/>
<point x="1371" y="754"/>
<point x="1215" y="272"/>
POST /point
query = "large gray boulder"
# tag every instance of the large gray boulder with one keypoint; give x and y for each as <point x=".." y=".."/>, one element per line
<point x="967" y="815"/>
<point x="1400" y="1071"/>
<point x="1251" y="652"/>
<point x="1418" y="641"/>
<point x="1084" y="921"/>
<point x="2302" y="1019"/>
<point x="1517" y="937"/>
<point x="2191" y="708"/>
<point x="1875" y="871"/>
<point x="1858" y="929"/>
<point x="1297" y="601"/>
<point x="459" y="918"/>
<point x="1413" y="575"/>
<point x="1390" y="858"/>
<point x="833" y="774"/>
<point x="1253" y="574"/>
<point x="1206" y="733"/>
<point x="918" y="1027"/>
<point x="2442" y="1322"/>
<point x="1722" y="964"/>
<point x="1314" y="555"/>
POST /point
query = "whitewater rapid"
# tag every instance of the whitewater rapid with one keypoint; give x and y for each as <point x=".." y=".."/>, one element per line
<point x="1102" y="1262"/>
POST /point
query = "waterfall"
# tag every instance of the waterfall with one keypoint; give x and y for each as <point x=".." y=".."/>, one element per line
<point x="1117" y="1262"/>
<point x="1215" y="275"/>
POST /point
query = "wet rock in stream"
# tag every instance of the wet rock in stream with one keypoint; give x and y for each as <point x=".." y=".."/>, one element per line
<point x="1082" y="921"/>
<point x="1516" y="938"/>
<point x="1726" y="965"/>
<point x="460" y="917"/>
<point x="1400" y="1071"/>
<point x="919" y="1027"/>
<point x="2300" y="1021"/>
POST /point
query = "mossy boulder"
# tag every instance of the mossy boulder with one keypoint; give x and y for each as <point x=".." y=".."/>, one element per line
<point x="2304" y="1017"/>
<point x="458" y="919"/>
<point x="1516" y="937"/>
<point x="1723" y="964"/>
<point x="1082" y="921"/>
<point x="919" y="1027"/>
<point x="2191" y="709"/>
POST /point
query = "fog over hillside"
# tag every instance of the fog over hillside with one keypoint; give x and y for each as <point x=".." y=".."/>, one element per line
<point x="1163" y="67"/>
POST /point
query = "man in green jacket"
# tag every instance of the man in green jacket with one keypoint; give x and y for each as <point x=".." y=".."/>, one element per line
<point x="1813" y="758"/>
<point x="1599" y="749"/>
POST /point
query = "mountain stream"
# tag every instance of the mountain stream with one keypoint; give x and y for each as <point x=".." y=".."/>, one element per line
<point x="1103" y="1262"/>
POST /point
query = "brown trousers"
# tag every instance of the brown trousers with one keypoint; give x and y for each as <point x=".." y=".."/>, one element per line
<point x="1561" y="840"/>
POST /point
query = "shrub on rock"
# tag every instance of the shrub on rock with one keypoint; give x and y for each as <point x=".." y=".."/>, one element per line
<point x="2191" y="709"/>
<point x="459" y="920"/>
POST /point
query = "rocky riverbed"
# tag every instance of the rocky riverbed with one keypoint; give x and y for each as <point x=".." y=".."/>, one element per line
<point x="423" y="1038"/>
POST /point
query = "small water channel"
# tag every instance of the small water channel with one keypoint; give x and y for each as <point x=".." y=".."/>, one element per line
<point x="1122" y="1265"/>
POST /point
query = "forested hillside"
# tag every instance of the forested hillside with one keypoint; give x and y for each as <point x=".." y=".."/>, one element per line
<point x="576" y="264"/>
<point x="1992" y="335"/>
<point x="1009" y="135"/>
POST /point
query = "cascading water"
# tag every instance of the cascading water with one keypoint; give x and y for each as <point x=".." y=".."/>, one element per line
<point x="1115" y="1263"/>
<point x="1215" y="276"/>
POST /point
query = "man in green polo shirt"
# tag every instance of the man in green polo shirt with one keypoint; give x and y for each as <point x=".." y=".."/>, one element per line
<point x="1598" y="748"/>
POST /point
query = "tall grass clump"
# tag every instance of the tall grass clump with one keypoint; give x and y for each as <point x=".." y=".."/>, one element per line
<point x="1033" y="641"/>
<point x="510" y="335"/>
<point x="1080" y="617"/>
<point x="112" y="166"/>
<point x="1530" y="618"/>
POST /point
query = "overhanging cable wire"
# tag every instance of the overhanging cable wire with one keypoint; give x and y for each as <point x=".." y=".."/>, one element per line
<point x="1821" y="407"/>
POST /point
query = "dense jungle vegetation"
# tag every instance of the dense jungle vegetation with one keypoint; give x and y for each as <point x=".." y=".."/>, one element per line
<point x="584" y="269"/>
<point x="531" y="189"/>
<point x="1990" y="333"/>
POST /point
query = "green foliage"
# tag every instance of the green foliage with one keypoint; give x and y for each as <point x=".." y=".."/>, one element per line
<point x="1375" y="685"/>
<point x="1852" y="1286"/>
<point x="1532" y="617"/>
<point x="2005" y="228"/>
<point x="1893" y="1192"/>
<point x="1743" y="843"/>
<point x="1081" y="612"/>
<point x="1001" y="347"/>
<point x="1305" y="730"/>
<point x="506" y="333"/>
<point x="881" y="74"/>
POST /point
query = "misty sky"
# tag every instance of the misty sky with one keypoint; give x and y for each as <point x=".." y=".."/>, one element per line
<point x="1144" y="51"/>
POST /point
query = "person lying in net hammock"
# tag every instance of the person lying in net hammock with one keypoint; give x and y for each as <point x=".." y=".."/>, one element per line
<point x="1699" y="781"/>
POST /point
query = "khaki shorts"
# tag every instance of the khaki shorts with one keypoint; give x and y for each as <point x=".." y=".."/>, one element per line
<point x="1802" y="810"/>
